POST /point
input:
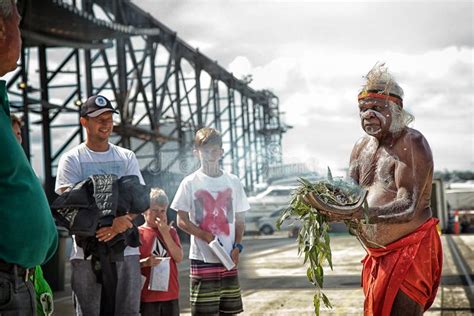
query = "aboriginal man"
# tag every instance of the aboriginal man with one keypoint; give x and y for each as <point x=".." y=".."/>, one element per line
<point x="402" y="269"/>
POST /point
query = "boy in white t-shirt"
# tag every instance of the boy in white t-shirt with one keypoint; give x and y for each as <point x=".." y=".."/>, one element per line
<point x="211" y="203"/>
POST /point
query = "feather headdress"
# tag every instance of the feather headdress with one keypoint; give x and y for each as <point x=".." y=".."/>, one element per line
<point x="381" y="84"/>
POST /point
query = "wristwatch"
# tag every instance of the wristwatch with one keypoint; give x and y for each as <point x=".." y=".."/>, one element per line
<point x="237" y="245"/>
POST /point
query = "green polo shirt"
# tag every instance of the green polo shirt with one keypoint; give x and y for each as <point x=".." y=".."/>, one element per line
<point x="28" y="235"/>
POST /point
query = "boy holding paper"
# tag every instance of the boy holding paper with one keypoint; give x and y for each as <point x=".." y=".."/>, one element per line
<point x="211" y="206"/>
<point x="159" y="253"/>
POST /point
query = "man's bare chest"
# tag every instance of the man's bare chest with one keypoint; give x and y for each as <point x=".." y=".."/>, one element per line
<point x="377" y="168"/>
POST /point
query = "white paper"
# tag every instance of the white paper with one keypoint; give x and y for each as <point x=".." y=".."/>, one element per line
<point x="207" y="253"/>
<point x="222" y="254"/>
<point x="160" y="276"/>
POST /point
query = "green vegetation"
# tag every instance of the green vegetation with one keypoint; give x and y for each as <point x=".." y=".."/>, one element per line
<point x="313" y="238"/>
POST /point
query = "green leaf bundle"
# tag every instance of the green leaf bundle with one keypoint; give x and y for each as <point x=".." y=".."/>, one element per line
<point x="313" y="238"/>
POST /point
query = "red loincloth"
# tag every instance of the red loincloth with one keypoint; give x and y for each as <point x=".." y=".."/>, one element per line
<point x="411" y="264"/>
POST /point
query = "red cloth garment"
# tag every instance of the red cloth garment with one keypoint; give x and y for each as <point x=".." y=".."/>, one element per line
<point x="411" y="264"/>
<point x="147" y="239"/>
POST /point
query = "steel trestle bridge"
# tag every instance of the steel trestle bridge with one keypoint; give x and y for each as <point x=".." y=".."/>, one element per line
<point x="164" y="89"/>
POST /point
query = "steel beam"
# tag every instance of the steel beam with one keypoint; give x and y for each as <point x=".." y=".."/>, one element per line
<point x="165" y="91"/>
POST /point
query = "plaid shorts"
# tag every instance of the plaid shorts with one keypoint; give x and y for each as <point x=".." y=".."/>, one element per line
<point x="214" y="290"/>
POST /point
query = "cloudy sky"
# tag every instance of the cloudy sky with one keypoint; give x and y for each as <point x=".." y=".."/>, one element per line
<point x="313" y="54"/>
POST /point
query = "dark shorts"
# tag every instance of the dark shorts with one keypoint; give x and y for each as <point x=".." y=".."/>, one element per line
<point x="166" y="308"/>
<point x="214" y="290"/>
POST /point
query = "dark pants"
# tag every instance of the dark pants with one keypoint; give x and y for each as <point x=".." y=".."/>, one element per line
<point x="88" y="292"/>
<point x="167" y="308"/>
<point x="17" y="297"/>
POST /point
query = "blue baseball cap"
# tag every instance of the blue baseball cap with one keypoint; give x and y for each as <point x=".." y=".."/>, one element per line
<point x="96" y="105"/>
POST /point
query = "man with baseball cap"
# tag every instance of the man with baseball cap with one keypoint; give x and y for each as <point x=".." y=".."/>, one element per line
<point x="98" y="156"/>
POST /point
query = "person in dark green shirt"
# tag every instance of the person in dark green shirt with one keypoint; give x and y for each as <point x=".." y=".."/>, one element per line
<point x="44" y="295"/>
<point x="28" y="236"/>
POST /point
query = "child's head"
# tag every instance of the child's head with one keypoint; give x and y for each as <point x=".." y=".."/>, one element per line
<point x="207" y="136"/>
<point x="158" y="206"/>
<point x="208" y="144"/>
<point x="16" y="125"/>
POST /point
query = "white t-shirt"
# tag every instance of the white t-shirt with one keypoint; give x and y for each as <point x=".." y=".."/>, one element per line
<point x="80" y="162"/>
<point x="212" y="204"/>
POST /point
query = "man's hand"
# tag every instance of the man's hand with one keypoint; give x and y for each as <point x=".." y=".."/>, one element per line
<point x="105" y="234"/>
<point x="208" y="237"/>
<point x="359" y="214"/>
<point x="122" y="223"/>
<point x="234" y="254"/>
<point x="150" y="261"/>
<point x="119" y="225"/>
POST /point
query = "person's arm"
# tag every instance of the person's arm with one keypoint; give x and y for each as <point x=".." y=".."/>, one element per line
<point x="239" y="234"/>
<point x="150" y="261"/>
<point x="354" y="175"/>
<point x="241" y="207"/>
<point x="68" y="174"/>
<point x="174" y="249"/>
<point x="185" y="224"/>
<point x="239" y="226"/>
<point x="353" y="172"/>
<point x="121" y="223"/>
<point x="412" y="175"/>
<point x="133" y="168"/>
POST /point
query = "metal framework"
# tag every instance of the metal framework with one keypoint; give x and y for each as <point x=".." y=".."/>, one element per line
<point x="164" y="89"/>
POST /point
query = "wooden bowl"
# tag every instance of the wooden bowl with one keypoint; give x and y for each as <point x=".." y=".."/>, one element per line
<point x="336" y="212"/>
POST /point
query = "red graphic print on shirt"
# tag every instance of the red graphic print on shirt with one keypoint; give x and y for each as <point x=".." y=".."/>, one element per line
<point x="214" y="215"/>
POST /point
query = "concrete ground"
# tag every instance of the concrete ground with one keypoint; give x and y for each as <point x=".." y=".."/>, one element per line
<point x="273" y="279"/>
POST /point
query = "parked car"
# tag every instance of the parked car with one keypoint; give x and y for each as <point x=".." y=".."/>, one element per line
<point x="273" y="198"/>
<point x="267" y="224"/>
<point x="265" y="204"/>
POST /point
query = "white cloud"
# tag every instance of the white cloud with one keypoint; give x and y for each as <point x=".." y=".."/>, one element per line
<point x="438" y="88"/>
<point x="313" y="54"/>
<point x="240" y="66"/>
